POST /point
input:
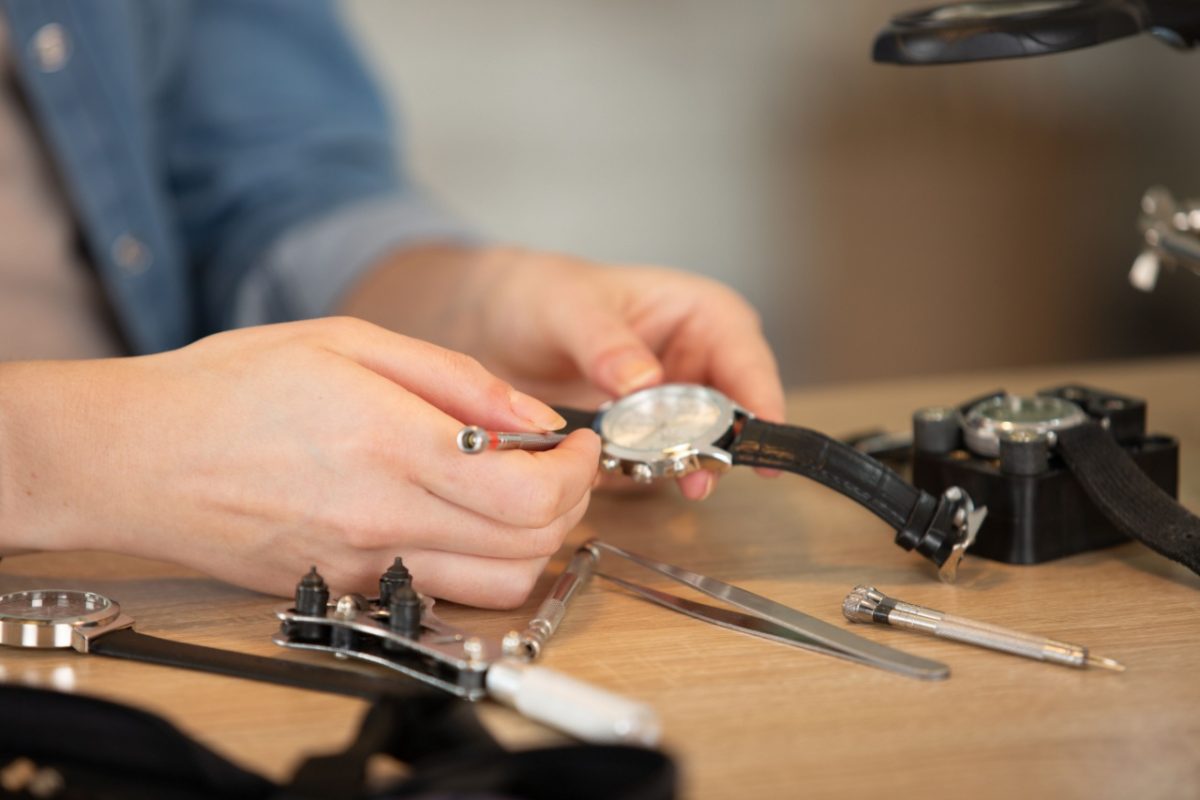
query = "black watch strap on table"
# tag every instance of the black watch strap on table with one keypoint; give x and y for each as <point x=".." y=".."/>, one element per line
<point x="129" y="644"/>
<point x="921" y="520"/>
<point x="1130" y="500"/>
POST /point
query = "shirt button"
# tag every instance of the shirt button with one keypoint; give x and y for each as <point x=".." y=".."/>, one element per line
<point x="51" y="47"/>
<point x="130" y="254"/>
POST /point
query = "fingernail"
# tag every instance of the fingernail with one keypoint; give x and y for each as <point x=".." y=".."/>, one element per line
<point x="635" y="372"/>
<point x="535" y="412"/>
<point x="709" y="484"/>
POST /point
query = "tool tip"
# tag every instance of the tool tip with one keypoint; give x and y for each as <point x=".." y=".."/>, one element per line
<point x="472" y="439"/>
<point x="1105" y="663"/>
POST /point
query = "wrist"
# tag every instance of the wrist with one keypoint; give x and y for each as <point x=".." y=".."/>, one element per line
<point x="437" y="292"/>
<point x="37" y="511"/>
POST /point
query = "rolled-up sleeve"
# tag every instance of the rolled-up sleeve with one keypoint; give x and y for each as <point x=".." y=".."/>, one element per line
<point x="307" y="271"/>
<point x="282" y="163"/>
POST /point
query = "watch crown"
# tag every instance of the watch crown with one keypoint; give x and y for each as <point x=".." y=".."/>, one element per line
<point x="610" y="464"/>
<point x="641" y="473"/>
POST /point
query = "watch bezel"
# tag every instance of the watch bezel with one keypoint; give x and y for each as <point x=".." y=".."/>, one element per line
<point x="982" y="433"/>
<point x="69" y="630"/>
<point x="699" y="452"/>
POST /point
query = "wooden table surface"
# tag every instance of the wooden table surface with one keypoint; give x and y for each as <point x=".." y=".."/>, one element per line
<point x="747" y="718"/>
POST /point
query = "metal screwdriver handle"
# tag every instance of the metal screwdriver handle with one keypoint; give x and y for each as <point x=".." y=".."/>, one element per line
<point x="474" y="439"/>
<point x="552" y="610"/>
<point x="867" y="604"/>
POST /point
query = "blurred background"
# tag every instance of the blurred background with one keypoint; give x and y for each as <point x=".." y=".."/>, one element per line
<point x="884" y="220"/>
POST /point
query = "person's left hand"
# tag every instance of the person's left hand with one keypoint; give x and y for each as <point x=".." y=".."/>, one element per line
<point x="572" y="332"/>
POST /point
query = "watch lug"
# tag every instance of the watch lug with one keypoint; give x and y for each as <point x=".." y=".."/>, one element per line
<point x="713" y="458"/>
<point x="969" y="528"/>
<point x="82" y="635"/>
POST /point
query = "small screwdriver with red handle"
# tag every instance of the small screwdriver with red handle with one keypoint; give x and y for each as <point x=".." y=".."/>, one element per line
<point x="474" y="439"/>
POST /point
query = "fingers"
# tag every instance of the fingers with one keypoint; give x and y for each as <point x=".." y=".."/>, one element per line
<point x="450" y="381"/>
<point x="413" y="518"/>
<point x="741" y="363"/>
<point x="697" y="485"/>
<point x="607" y="351"/>
<point x="470" y="580"/>
<point x="524" y="489"/>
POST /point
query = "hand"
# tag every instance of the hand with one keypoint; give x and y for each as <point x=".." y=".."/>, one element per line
<point x="254" y="454"/>
<point x="577" y="333"/>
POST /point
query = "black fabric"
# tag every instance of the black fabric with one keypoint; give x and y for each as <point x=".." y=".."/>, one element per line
<point x="106" y="751"/>
<point x="453" y="756"/>
<point x="130" y="644"/>
<point x="1129" y="499"/>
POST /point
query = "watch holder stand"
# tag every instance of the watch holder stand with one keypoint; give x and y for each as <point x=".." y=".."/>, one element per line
<point x="1037" y="508"/>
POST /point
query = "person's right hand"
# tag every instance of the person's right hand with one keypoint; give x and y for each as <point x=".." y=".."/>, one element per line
<point x="253" y="454"/>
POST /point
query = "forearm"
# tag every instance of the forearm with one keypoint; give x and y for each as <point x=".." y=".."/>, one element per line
<point x="36" y="415"/>
<point x="435" y="292"/>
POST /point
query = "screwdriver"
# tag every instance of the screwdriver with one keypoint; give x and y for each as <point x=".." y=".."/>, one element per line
<point x="474" y="439"/>
<point x="868" y="604"/>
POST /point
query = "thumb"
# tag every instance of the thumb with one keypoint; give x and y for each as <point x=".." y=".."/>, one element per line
<point x="607" y="351"/>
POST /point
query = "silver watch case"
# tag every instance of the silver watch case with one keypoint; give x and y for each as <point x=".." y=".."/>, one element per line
<point x="986" y="423"/>
<point x="57" y="618"/>
<point x="695" y="450"/>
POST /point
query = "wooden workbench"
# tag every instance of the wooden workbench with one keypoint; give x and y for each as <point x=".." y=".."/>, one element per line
<point x="746" y="718"/>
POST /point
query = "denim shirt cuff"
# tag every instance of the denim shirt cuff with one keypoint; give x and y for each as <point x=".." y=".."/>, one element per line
<point x="306" y="272"/>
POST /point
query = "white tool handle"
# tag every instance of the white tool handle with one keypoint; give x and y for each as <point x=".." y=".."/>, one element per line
<point x="585" y="711"/>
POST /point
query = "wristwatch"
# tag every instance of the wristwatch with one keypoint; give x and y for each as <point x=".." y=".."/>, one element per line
<point x="92" y="623"/>
<point x="1095" y="436"/>
<point x="671" y="430"/>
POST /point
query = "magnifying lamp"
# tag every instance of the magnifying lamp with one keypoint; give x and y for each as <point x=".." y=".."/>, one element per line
<point x="984" y="31"/>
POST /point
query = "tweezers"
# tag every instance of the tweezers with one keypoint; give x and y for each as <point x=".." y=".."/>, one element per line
<point x="763" y="617"/>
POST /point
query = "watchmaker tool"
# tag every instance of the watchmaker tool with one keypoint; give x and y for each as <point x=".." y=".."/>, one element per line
<point x="766" y="618"/>
<point x="529" y="643"/>
<point x="399" y="630"/>
<point x="474" y="439"/>
<point x="867" y="604"/>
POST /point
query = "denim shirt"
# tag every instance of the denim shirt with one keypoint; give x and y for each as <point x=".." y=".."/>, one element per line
<point x="228" y="161"/>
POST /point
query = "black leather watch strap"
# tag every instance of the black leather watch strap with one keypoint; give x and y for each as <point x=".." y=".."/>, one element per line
<point x="128" y="643"/>
<point x="921" y="521"/>
<point x="1130" y="500"/>
<point x="934" y="527"/>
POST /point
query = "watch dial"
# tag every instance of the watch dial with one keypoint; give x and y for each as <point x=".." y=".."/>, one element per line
<point x="660" y="418"/>
<point x="1028" y="410"/>
<point x="62" y="605"/>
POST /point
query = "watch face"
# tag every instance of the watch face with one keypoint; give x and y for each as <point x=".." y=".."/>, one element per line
<point x="45" y="617"/>
<point x="663" y="418"/>
<point x="987" y="422"/>
<point x="666" y="431"/>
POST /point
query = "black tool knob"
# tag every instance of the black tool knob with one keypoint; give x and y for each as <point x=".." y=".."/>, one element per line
<point x="1024" y="453"/>
<point x="397" y="575"/>
<point x="312" y="600"/>
<point x="936" y="430"/>
<point x="404" y="614"/>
